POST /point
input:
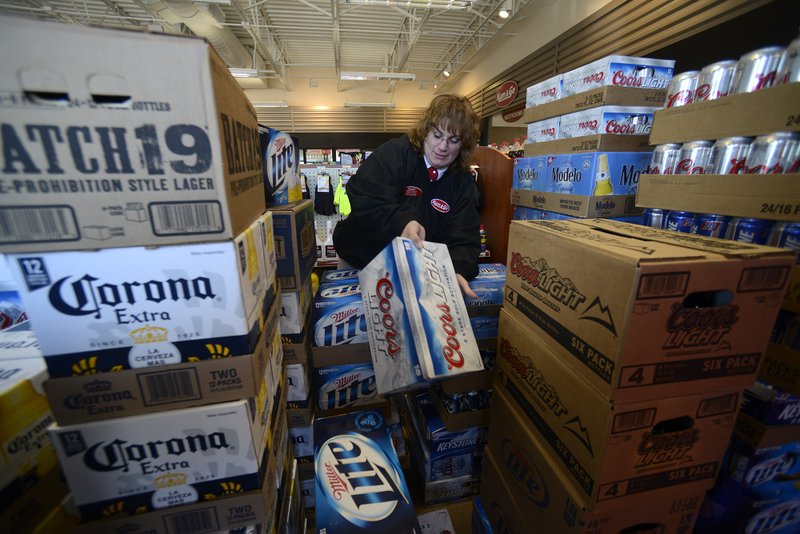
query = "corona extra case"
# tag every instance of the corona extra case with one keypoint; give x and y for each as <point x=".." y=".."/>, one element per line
<point x="134" y="307"/>
<point x="359" y="483"/>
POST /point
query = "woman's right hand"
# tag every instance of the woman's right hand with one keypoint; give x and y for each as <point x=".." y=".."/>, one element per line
<point x="415" y="232"/>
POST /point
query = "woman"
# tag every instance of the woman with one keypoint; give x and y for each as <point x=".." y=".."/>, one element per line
<point x="418" y="186"/>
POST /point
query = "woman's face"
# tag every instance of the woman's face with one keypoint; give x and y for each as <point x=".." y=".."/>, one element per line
<point x="441" y="147"/>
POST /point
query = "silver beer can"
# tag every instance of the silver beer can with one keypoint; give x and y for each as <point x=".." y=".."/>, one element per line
<point x="664" y="159"/>
<point x="715" y="80"/>
<point x="775" y="153"/>
<point x="729" y="155"/>
<point x="789" y="70"/>
<point x="681" y="88"/>
<point x="757" y="70"/>
<point x="694" y="157"/>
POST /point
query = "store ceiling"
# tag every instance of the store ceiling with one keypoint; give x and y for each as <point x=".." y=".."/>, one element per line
<point x="295" y="43"/>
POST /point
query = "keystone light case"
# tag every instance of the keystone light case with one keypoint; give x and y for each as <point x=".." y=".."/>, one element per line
<point x="676" y="314"/>
<point x="148" y="462"/>
<point x="612" y="452"/>
<point x="417" y="321"/>
<point x="140" y="139"/>
<point x="359" y="483"/>
<point x="134" y="307"/>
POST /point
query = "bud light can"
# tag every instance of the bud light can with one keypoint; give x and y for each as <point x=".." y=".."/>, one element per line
<point x="747" y="230"/>
<point x="653" y="217"/>
<point x="786" y="235"/>
<point x="664" y="159"/>
<point x="715" y="80"/>
<point x="694" y="157"/>
<point x="710" y="225"/>
<point x="729" y="155"/>
<point x="789" y="71"/>
<point x="681" y="88"/>
<point x="757" y="70"/>
<point x="680" y="221"/>
<point x="774" y="153"/>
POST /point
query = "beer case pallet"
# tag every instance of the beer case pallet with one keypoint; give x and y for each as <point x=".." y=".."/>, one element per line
<point x="769" y="196"/>
<point x="590" y="143"/>
<point x="773" y="109"/>
<point x="603" y="96"/>
<point x="577" y="205"/>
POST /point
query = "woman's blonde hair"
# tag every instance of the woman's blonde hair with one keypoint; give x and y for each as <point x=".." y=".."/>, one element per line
<point x="453" y="114"/>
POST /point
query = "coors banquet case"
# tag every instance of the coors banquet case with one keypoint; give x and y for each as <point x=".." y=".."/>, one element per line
<point x="359" y="483"/>
<point x="417" y="321"/>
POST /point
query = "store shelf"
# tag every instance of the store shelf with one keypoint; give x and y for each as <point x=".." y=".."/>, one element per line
<point x="604" y="96"/>
<point x="763" y="196"/>
<point x="769" y="110"/>
<point x="495" y="174"/>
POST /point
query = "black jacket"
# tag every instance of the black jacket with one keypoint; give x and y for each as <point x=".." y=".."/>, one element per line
<point x="390" y="189"/>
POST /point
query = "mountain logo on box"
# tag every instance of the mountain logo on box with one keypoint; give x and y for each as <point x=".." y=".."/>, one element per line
<point x="600" y="314"/>
<point x="523" y="471"/>
<point x="358" y="479"/>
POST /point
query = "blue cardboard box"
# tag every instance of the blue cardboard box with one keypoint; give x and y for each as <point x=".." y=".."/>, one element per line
<point x="295" y="243"/>
<point x="339" y="315"/>
<point x="529" y="173"/>
<point x="596" y="173"/>
<point x="339" y="276"/>
<point x="359" y="483"/>
<point x="770" y="405"/>
<point x="341" y="386"/>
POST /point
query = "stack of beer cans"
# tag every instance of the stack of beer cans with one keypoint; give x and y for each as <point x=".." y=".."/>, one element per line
<point x="146" y="263"/>
<point x="622" y="356"/>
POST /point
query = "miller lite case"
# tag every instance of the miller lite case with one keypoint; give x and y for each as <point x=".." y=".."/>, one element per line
<point x="338" y="276"/>
<point x="148" y="462"/>
<point x="341" y="386"/>
<point x="359" y="483"/>
<point x="280" y="161"/>
<point x="134" y="307"/>
<point x="339" y="315"/>
<point x="417" y="322"/>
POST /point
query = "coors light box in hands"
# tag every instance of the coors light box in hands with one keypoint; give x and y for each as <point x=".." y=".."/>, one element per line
<point x="417" y="321"/>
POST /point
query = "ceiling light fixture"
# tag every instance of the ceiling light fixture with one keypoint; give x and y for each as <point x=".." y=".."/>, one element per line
<point x="505" y="11"/>
<point x="243" y="73"/>
<point x="270" y="104"/>
<point x="447" y="70"/>
<point x="369" y="104"/>
<point x="397" y="76"/>
<point x="428" y="4"/>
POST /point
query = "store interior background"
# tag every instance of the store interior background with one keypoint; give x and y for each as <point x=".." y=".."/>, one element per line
<point x="776" y="23"/>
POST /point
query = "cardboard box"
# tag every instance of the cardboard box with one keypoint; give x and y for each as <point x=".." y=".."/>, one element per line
<point x="339" y="276"/>
<point x="767" y="196"/>
<point x="762" y="112"/>
<point x="577" y="205"/>
<point x="295" y="306"/>
<point x="343" y="386"/>
<point x="651" y="326"/>
<point x="544" y="130"/>
<point x="302" y="440"/>
<point x="770" y="405"/>
<point x="135" y="307"/>
<point x="543" y="92"/>
<point x="280" y="161"/>
<point x="518" y="491"/>
<point x="595" y="173"/>
<point x="781" y="368"/>
<point x="19" y="342"/>
<point x="298" y="377"/>
<point x="612" y="120"/>
<point x="91" y="397"/>
<point x="620" y="71"/>
<point x="300" y="413"/>
<point x="608" y="95"/>
<point x="609" y="449"/>
<point x="590" y="143"/>
<point x="341" y="355"/>
<point x="339" y="315"/>
<point x="297" y="347"/>
<point x="138" y="156"/>
<point x="177" y="457"/>
<point x="295" y="242"/>
<point x="791" y="301"/>
<point x="356" y="464"/>
<point x="23" y="508"/>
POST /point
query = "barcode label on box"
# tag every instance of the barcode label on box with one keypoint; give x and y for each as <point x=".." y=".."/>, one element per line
<point x="176" y="218"/>
<point x="204" y="520"/>
<point x="625" y="422"/>
<point x="661" y="285"/>
<point x="763" y="279"/>
<point x="167" y="387"/>
<point x="21" y="224"/>
<point x="718" y="405"/>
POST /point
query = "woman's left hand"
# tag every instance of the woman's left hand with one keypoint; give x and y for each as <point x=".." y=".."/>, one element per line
<point x="462" y="282"/>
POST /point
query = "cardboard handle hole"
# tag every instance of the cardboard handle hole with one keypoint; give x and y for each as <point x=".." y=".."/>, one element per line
<point x="48" y="98"/>
<point x="676" y="424"/>
<point x="708" y="299"/>
<point x="112" y="100"/>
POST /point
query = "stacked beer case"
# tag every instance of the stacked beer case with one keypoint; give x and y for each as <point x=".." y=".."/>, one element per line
<point x="588" y="139"/>
<point x="145" y="260"/>
<point x="755" y="491"/>
<point x="623" y="352"/>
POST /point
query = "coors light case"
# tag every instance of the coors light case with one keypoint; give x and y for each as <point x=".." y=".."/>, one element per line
<point x="359" y="482"/>
<point x="280" y="154"/>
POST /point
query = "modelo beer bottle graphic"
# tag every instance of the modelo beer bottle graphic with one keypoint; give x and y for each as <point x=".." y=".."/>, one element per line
<point x="602" y="182"/>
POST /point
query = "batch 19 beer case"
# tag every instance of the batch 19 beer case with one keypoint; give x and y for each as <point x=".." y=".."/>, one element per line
<point x="643" y="313"/>
<point x="140" y="139"/>
<point x="359" y="483"/>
